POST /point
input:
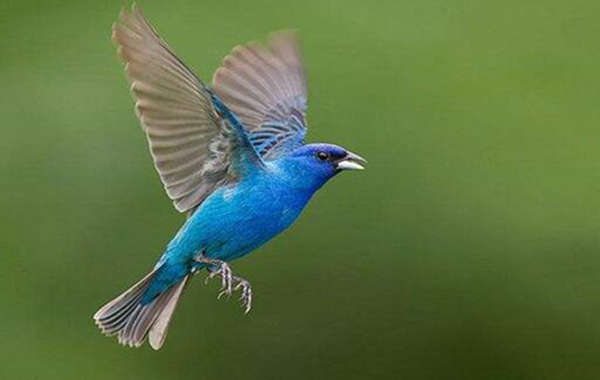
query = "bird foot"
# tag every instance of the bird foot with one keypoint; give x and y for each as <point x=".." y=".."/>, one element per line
<point x="229" y="282"/>
<point x="246" y="296"/>
<point x="218" y="268"/>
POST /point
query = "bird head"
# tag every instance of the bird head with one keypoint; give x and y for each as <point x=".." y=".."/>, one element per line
<point x="313" y="165"/>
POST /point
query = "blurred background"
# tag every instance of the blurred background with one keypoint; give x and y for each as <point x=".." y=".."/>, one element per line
<point x="469" y="249"/>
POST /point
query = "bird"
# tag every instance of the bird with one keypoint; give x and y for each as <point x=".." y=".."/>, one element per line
<point x="231" y="155"/>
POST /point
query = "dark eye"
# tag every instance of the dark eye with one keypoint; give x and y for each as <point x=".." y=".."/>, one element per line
<point x="323" y="156"/>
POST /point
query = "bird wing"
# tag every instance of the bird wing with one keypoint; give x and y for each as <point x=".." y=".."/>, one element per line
<point x="192" y="145"/>
<point x="265" y="86"/>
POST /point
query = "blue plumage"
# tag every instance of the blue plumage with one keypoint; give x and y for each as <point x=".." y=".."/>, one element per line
<point x="237" y="219"/>
<point x="243" y="173"/>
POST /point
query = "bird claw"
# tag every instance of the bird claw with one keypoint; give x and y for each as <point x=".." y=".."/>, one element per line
<point x="246" y="296"/>
<point x="226" y="275"/>
<point x="228" y="280"/>
<point x="224" y="293"/>
<point x="244" y="286"/>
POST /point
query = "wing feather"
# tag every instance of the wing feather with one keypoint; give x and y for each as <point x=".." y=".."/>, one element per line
<point x="190" y="145"/>
<point x="265" y="86"/>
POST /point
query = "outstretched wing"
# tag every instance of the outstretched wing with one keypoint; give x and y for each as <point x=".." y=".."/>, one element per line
<point x="191" y="144"/>
<point x="265" y="86"/>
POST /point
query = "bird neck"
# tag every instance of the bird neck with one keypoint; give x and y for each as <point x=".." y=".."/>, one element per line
<point x="297" y="176"/>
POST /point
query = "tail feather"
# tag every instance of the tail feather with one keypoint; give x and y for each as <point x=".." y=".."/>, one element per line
<point x="158" y="331"/>
<point x="132" y="320"/>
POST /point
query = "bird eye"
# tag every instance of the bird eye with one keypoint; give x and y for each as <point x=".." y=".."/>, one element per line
<point x="322" y="156"/>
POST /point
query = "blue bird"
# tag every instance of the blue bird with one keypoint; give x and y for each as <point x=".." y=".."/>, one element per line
<point x="231" y="155"/>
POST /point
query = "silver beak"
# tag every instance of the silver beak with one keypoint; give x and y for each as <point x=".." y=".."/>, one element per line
<point x="351" y="162"/>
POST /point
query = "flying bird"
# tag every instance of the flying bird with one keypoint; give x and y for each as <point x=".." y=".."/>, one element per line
<point x="231" y="155"/>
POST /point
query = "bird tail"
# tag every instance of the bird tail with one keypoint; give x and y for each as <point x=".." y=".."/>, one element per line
<point x="133" y="320"/>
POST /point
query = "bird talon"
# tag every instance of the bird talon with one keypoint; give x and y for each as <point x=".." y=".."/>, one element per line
<point x="229" y="282"/>
<point x="246" y="296"/>
<point x="222" y="293"/>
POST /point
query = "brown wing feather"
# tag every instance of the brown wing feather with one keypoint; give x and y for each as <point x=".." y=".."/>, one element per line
<point x="175" y="112"/>
<point x="266" y="84"/>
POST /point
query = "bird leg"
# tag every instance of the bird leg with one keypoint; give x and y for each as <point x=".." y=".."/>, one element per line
<point x="229" y="282"/>
<point x="218" y="268"/>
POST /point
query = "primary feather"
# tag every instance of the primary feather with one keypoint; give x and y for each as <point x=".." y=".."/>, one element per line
<point x="265" y="85"/>
<point x="191" y="146"/>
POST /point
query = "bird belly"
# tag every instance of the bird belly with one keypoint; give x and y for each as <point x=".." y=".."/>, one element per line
<point x="233" y="222"/>
<point x="256" y="225"/>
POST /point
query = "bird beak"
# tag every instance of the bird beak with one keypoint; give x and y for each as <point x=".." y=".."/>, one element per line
<point x="351" y="162"/>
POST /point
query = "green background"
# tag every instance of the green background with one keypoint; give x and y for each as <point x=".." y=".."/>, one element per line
<point x="469" y="249"/>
